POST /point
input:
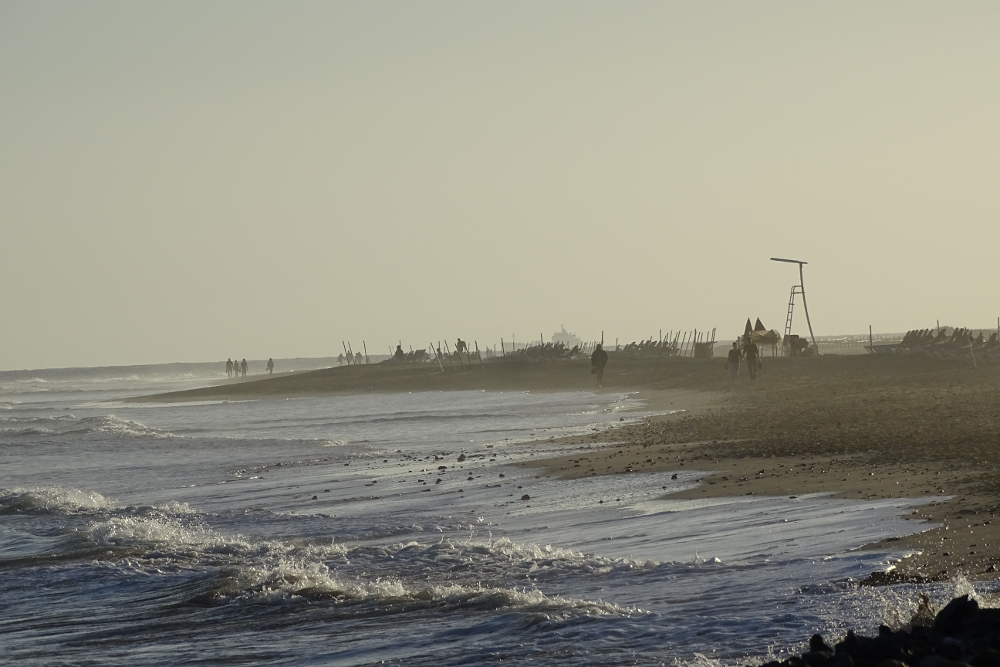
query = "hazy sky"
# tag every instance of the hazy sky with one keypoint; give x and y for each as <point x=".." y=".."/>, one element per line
<point x="184" y="181"/>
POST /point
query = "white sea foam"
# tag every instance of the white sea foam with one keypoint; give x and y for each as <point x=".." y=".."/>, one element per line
<point x="52" y="499"/>
<point x="288" y="579"/>
<point x="112" y="425"/>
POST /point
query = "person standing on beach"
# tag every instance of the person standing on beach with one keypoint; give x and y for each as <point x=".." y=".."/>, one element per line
<point x="270" y="366"/>
<point x="752" y="356"/>
<point x="598" y="360"/>
<point x="243" y="367"/>
<point x="229" y="368"/>
<point x="733" y="362"/>
<point x="340" y="359"/>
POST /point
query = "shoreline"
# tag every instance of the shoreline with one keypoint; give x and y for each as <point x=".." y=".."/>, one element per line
<point x="899" y="428"/>
<point x="858" y="427"/>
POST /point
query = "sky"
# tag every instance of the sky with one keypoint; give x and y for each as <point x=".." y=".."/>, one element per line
<point x="188" y="181"/>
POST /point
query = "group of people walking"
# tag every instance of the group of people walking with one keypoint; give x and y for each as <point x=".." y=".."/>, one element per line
<point x="235" y="369"/>
<point x="747" y="353"/>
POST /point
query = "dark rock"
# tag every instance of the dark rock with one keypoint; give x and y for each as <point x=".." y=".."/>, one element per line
<point x="461" y="457"/>
<point x="526" y="497"/>
<point x="501" y="474"/>
<point x="817" y="658"/>
<point x="817" y="645"/>
<point x="939" y="661"/>
<point x="439" y="481"/>
<point x="674" y="476"/>
<point x="988" y="658"/>
<point x="315" y="497"/>
<point x="955" y="614"/>
<point x="892" y="663"/>
<point x="841" y="660"/>
<point x="960" y="635"/>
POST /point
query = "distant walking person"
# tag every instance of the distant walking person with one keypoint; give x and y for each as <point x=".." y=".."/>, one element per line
<point x="270" y="366"/>
<point x="229" y="368"/>
<point x="733" y="363"/>
<point x="243" y="367"/>
<point x="340" y="359"/>
<point x="752" y="356"/>
<point x="598" y="360"/>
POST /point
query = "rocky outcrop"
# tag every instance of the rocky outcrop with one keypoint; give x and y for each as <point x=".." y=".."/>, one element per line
<point x="960" y="634"/>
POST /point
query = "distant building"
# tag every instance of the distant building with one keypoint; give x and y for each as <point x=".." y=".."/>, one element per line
<point x="566" y="338"/>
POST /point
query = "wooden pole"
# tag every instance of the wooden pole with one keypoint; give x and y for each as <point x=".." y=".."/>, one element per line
<point x="346" y="353"/>
<point x="871" y="340"/>
<point x="366" y="351"/>
<point x="437" y="356"/>
<point x="479" y="355"/>
<point x="503" y="350"/>
<point x="448" y="350"/>
<point x="969" y="334"/>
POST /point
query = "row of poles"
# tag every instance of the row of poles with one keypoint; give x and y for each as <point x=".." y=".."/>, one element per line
<point x="683" y="341"/>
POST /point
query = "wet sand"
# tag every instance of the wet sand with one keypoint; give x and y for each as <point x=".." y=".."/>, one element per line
<point x="854" y="427"/>
<point x="861" y="427"/>
<point x="628" y="375"/>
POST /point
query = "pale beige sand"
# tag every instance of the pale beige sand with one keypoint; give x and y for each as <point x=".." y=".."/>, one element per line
<point x="855" y="427"/>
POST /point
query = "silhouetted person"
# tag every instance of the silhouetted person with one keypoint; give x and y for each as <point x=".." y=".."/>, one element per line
<point x="398" y="356"/>
<point x="598" y="360"/>
<point x="733" y="362"/>
<point x="358" y="358"/>
<point x="229" y="368"/>
<point x="243" y="367"/>
<point x="340" y="359"/>
<point x="270" y="366"/>
<point x="752" y="356"/>
<point x="460" y="346"/>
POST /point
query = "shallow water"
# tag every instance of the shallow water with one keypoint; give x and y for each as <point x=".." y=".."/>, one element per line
<point x="164" y="534"/>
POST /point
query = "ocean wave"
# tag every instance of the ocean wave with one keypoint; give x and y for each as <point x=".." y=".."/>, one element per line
<point x="134" y="531"/>
<point x="112" y="425"/>
<point x="27" y="432"/>
<point x="444" y="575"/>
<point x="52" y="500"/>
<point x="52" y="419"/>
<point x="316" y="581"/>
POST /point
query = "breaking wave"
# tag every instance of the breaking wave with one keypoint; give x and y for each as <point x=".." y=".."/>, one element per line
<point x="68" y="425"/>
<point x="52" y="500"/>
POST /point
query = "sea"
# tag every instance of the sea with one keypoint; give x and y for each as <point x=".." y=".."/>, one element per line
<point x="398" y="529"/>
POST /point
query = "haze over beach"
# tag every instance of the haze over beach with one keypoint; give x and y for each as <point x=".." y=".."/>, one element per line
<point x="301" y="356"/>
<point x="186" y="181"/>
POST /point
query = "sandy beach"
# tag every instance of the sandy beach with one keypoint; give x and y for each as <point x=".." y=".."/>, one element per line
<point x="853" y="427"/>
<point x="859" y="427"/>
